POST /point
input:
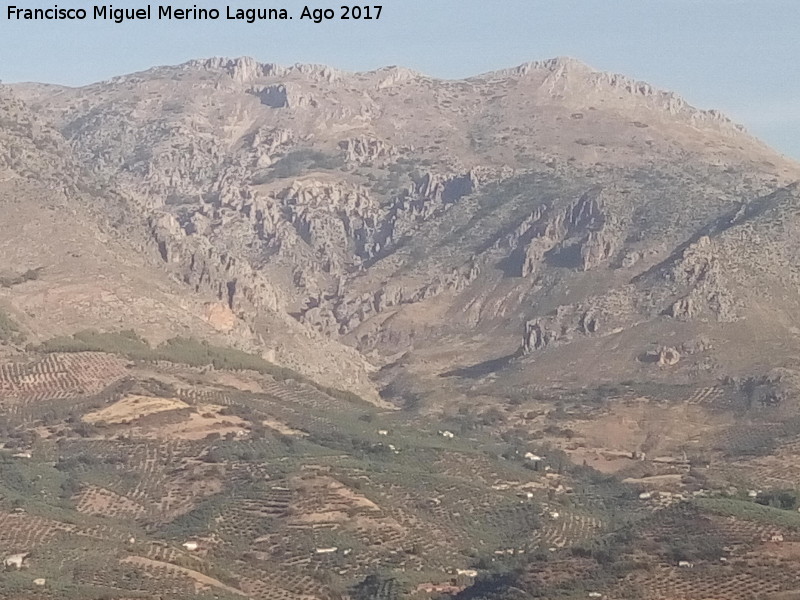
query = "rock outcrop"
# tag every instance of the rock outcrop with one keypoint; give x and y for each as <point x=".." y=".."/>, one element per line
<point x="364" y="149"/>
<point x="596" y="316"/>
<point x="668" y="357"/>
<point x="579" y="235"/>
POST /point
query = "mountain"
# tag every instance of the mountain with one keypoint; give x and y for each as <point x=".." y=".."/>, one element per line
<point x="393" y="212"/>
<point x="545" y="261"/>
<point x="97" y="266"/>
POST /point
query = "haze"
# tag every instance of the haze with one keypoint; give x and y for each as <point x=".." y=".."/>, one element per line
<point x="713" y="53"/>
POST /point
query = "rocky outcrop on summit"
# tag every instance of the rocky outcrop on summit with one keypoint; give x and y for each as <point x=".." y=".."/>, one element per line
<point x="246" y="69"/>
<point x="282" y="96"/>
<point x="570" y="79"/>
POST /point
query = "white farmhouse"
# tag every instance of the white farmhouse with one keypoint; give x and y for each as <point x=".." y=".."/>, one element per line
<point x="15" y="561"/>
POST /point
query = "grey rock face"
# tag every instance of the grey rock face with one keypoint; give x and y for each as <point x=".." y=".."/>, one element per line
<point x="388" y="210"/>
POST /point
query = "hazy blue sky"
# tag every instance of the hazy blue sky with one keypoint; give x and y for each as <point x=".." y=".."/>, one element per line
<point x="739" y="56"/>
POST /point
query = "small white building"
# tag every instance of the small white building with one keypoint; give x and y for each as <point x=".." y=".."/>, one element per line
<point x="533" y="457"/>
<point x="326" y="550"/>
<point x="41" y="581"/>
<point x="191" y="546"/>
<point x="645" y="495"/>
<point x="15" y="561"/>
<point x="383" y="432"/>
<point x="467" y="572"/>
<point x="685" y="564"/>
<point x="447" y="434"/>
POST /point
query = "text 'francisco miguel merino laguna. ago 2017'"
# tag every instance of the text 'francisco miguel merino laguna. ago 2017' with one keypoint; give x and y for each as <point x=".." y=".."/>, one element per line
<point x="193" y="13"/>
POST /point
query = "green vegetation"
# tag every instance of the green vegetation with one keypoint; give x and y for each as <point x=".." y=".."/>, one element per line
<point x="269" y="482"/>
<point x="187" y="351"/>
<point x="9" y="330"/>
<point x="297" y="163"/>
<point x="375" y="587"/>
<point x="400" y="175"/>
<point x="196" y="522"/>
<point x="126" y="342"/>
<point x="782" y="499"/>
<point x="753" y="511"/>
<point x="27" y="482"/>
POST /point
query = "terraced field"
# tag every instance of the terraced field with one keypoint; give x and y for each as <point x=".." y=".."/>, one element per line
<point x="286" y="492"/>
<point x="124" y="479"/>
<point x="60" y="376"/>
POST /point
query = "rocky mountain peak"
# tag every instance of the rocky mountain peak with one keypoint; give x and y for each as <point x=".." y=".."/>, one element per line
<point x="558" y="64"/>
<point x="246" y="69"/>
<point x="574" y="82"/>
<point x="382" y="212"/>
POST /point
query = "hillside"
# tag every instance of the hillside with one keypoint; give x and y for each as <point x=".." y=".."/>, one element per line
<point x="425" y="281"/>
<point x="75" y="257"/>
<point x="392" y="211"/>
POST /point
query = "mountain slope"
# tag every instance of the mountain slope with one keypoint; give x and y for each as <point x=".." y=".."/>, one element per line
<point x="73" y="260"/>
<point x="396" y="212"/>
<point x="582" y="291"/>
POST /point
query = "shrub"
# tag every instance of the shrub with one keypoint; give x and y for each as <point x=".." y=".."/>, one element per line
<point x="783" y="499"/>
<point x="296" y="163"/>
<point x="9" y="331"/>
<point x="188" y="351"/>
<point x="8" y="281"/>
